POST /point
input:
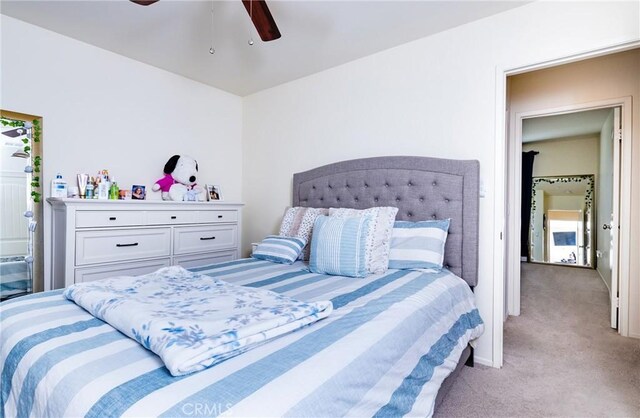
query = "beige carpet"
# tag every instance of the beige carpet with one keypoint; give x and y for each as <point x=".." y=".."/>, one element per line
<point x="561" y="358"/>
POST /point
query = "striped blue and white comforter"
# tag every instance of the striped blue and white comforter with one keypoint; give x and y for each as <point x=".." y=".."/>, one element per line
<point x="384" y="351"/>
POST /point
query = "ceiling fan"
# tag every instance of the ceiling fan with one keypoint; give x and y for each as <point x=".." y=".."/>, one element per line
<point x="257" y="10"/>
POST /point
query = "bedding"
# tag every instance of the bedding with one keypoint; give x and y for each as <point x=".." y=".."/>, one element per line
<point x="418" y="244"/>
<point x="385" y="350"/>
<point x="279" y="249"/>
<point x="338" y="246"/>
<point x="298" y="222"/>
<point x="193" y="321"/>
<point x="379" y="236"/>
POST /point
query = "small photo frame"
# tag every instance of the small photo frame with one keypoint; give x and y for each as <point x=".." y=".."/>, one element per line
<point x="214" y="194"/>
<point x="138" y="192"/>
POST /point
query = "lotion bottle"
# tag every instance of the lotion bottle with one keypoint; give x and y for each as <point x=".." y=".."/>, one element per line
<point x="58" y="187"/>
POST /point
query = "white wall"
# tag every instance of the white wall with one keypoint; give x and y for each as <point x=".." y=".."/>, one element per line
<point x="603" y="78"/>
<point x="565" y="156"/>
<point x="604" y="199"/>
<point x="102" y="110"/>
<point x="434" y="97"/>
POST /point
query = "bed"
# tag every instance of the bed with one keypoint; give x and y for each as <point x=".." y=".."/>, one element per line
<point x="391" y="347"/>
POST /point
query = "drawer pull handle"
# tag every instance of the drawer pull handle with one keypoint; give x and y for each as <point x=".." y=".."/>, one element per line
<point x="135" y="244"/>
<point x="219" y="216"/>
<point x="112" y="218"/>
<point x="174" y="217"/>
<point x="206" y="238"/>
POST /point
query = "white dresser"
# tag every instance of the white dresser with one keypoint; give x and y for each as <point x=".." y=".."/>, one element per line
<point x="95" y="239"/>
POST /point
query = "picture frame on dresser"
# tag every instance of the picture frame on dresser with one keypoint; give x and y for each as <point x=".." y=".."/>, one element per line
<point x="214" y="193"/>
<point x="138" y="192"/>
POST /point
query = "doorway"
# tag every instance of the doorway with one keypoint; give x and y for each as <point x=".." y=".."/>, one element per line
<point x="554" y="232"/>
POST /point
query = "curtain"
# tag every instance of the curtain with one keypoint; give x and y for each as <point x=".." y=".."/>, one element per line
<point x="527" y="181"/>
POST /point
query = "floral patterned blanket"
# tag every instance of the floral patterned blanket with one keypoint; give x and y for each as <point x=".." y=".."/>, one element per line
<point x="190" y="320"/>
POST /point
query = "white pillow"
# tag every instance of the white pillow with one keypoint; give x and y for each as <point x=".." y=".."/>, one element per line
<point x="379" y="236"/>
<point x="298" y="222"/>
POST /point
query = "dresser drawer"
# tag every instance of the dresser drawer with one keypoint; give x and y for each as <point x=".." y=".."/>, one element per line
<point x="98" y="218"/>
<point x="218" y="216"/>
<point x="199" y="260"/>
<point x="136" y="268"/>
<point x="164" y="217"/>
<point x="121" y="244"/>
<point x="193" y="239"/>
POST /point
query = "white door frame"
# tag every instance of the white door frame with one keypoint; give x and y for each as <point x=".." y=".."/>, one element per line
<point x="501" y="184"/>
<point x="513" y="228"/>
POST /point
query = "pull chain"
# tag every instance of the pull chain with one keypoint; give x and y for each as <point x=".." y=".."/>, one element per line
<point x="250" y="42"/>
<point x="212" y="49"/>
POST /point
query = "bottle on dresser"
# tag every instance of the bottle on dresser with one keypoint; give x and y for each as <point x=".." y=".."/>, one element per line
<point x="103" y="185"/>
<point x="58" y="187"/>
<point x="113" y="190"/>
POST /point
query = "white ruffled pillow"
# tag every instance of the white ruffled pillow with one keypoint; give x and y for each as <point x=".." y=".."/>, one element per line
<point x="298" y="222"/>
<point x="379" y="237"/>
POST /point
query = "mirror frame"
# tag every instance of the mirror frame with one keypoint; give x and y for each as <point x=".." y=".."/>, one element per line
<point x="589" y="210"/>
<point x="38" y="207"/>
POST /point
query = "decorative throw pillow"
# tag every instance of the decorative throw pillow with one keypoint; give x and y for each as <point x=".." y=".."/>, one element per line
<point x="284" y="250"/>
<point x="418" y="244"/>
<point x="338" y="246"/>
<point x="379" y="237"/>
<point x="298" y="222"/>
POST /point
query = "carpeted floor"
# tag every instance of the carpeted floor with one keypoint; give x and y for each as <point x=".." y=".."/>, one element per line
<point x="561" y="358"/>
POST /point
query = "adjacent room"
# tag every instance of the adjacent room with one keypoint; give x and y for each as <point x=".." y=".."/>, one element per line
<point x="310" y="208"/>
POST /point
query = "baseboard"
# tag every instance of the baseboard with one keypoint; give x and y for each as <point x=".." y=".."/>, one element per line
<point x="605" y="282"/>
<point x="483" y="361"/>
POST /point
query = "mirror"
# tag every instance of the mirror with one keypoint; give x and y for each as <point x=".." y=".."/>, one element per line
<point x="561" y="220"/>
<point x="21" y="268"/>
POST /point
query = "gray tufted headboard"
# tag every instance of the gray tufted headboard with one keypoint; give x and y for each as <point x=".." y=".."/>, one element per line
<point x="422" y="188"/>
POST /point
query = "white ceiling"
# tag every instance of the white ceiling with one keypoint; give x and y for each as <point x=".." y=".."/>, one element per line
<point x="564" y="126"/>
<point x="176" y="34"/>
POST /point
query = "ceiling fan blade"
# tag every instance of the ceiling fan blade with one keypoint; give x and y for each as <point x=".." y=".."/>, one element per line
<point x="144" y="2"/>
<point x="262" y="19"/>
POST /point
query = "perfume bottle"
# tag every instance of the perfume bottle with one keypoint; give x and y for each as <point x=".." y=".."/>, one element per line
<point x="113" y="190"/>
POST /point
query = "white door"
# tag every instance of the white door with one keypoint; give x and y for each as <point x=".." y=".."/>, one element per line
<point x="613" y="228"/>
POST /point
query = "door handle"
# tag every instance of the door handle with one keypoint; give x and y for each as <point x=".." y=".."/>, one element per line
<point x="606" y="226"/>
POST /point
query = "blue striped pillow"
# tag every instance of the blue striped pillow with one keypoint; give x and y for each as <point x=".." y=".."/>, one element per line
<point x="283" y="250"/>
<point x="418" y="245"/>
<point x="338" y="246"/>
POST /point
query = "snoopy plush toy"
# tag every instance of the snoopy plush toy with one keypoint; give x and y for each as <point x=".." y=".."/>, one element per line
<point x="179" y="181"/>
